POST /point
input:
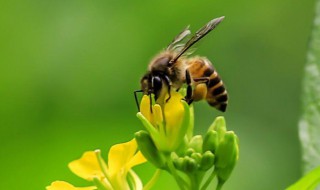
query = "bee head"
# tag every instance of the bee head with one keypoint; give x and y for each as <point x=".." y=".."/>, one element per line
<point x="152" y="84"/>
<point x="145" y="83"/>
<point x="161" y="64"/>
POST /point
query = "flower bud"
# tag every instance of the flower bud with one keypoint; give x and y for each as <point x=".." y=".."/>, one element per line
<point x="227" y="150"/>
<point x="226" y="156"/>
<point x="149" y="150"/>
<point x="219" y="125"/>
<point x="190" y="165"/>
<point x="207" y="161"/>
<point x="197" y="157"/>
<point x="189" y="152"/>
<point x="210" y="141"/>
<point x="178" y="163"/>
<point x="196" y="143"/>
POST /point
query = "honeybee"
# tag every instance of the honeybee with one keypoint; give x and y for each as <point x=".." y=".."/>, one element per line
<point x="172" y="68"/>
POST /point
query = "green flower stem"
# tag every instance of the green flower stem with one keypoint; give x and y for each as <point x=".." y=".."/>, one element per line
<point x="134" y="181"/>
<point x="219" y="186"/>
<point x="102" y="165"/>
<point x="100" y="185"/>
<point x="209" y="179"/>
<point x="191" y="123"/>
<point x="193" y="182"/>
<point x="195" y="179"/>
<point x="181" y="182"/>
<point x="199" y="177"/>
<point x="153" y="180"/>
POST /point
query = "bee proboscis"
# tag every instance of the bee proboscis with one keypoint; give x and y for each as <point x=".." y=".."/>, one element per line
<point x="172" y="68"/>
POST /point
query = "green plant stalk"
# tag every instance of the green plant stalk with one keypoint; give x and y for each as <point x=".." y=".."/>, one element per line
<point x="209" y="180"/>
<point x="181" y="183"/>
<point x="309" y="125"/>
<point x="100" y="185"/>
<point x="194" y="182"/>
<point x="153" y="180"/>
<point x="195" y="179"/>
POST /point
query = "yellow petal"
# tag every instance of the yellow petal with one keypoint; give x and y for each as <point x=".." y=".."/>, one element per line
<point x="137" y="159"/>
<point x="87" y="166"/>
<point x="174" y="111"/>
<point x="62" y="185"/>
<point x="120" y="155"/>
<point x="145" y="108"/>
<point x="158" y="117"/>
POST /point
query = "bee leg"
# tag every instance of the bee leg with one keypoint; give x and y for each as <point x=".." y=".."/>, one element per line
<point x="200" y="88"/>
<point x="136" y="98"/>
<point x="150" y="102"/>
<point x="169" y="93"/>
<point x="188" y="97"/>
<point x="169" y="84"/>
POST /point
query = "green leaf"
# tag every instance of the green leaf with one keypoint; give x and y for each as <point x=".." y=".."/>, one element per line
<point x="309" y="125"/>
<point x="308" y="182"/>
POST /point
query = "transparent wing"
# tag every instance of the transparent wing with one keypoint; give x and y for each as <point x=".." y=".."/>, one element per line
<point x="198" y="35"/>
<point x="179" y="38"/>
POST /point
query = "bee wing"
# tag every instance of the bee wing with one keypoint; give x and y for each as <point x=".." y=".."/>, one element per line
<point x="198" y="35"/>
<point x="178" y="38"/>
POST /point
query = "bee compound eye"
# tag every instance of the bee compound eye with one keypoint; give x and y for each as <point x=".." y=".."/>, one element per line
<point x="157" y="83"/>
<point x="156" y="86"/>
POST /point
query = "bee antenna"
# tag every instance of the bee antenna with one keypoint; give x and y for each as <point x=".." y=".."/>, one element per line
<point x="198" y="35"/>
<point x="136" y="98"/>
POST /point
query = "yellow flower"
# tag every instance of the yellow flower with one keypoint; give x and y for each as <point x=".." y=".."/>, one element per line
<point x="166" y="122"/>
<point x="88" y="166"/>
<point x="117" y="174"/>
<point x="121" y="158"/>
<point x="62" y="185"/>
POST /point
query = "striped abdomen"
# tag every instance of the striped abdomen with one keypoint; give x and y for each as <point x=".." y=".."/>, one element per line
<point x="203" y="74"/>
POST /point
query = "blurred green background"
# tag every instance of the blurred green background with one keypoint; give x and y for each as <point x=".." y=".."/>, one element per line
<point x="68" y="70"/>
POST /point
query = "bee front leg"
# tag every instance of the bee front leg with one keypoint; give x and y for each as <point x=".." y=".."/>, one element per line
<point x="150" y="97"/>
<point x="188" y="97"/>
<point x="169" y="84"/>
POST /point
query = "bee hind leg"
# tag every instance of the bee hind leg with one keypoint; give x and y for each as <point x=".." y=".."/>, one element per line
<point x="200" y="89"/>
